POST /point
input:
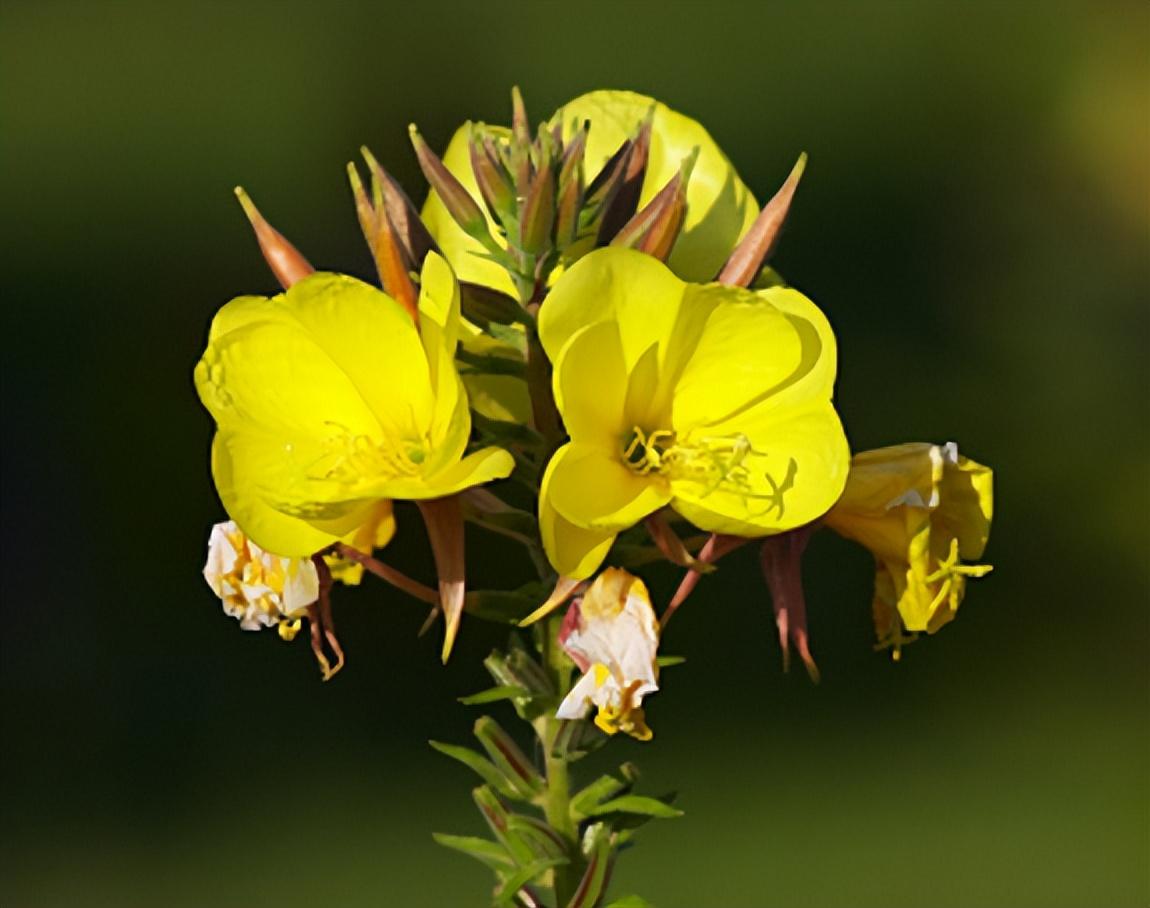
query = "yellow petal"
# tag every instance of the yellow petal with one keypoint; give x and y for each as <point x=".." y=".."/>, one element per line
<point x="745" y="349"/>
<point x="967" y="505"/>
<point x="482" y="466"/>
<point x="720" y="208"/>
<point x="638" y="291"/>
<point x="590" y="384"/>
<point x="272" y="377"/>
<point x="593" y="489"/>
<point x="573" y="551"/>
<point x="795" y="469"/>
<point x="372" y="339"/>
<point x="268" y="528"/>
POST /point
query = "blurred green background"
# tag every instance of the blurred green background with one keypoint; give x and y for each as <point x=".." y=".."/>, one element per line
<point x="974" y="220"/>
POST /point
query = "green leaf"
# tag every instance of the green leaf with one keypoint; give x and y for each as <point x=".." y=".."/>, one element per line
<point x="594" y="794"/>
<point x="490" y="365"/>
<point x="631" y="901"/>
<point x="665" y="661"/>
<point x="499" y="821"/>
<point x="508" y="758"/>
<point x="637" y="804"/>
<point x="483" y="767"/>
<point x="546" y="842"/>
<point x="495" y="694"/>
<point x="594" y="880"/>
<point x="492" y="854"/>
<point x="516" y="881"/>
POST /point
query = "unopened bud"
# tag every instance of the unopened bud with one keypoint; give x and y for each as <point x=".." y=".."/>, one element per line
<point x="756" y="247"/>
<point x="285" y="261"/>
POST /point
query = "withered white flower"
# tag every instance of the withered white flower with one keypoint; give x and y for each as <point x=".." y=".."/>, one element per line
<point x="257" y="587"/>
<point x="612" y="635"/>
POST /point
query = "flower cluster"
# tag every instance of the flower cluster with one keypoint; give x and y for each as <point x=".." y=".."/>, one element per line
<point x="585" y="313"/>
<point x="576" y="344"/>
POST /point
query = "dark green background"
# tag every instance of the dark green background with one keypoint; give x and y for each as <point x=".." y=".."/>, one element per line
<point x="974" y="221"/>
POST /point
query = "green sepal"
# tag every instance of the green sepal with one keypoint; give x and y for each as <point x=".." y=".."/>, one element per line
<point x="483" y="767"/>
<point x="486" y="852"/>
<point x="667" y="661"/>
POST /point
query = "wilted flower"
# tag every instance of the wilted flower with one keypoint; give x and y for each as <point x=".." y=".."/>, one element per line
<point x="612" y="636"/>
<point x="713" y="400"/>
<point x="922" y="510"/>
<point x="258" y="588"/>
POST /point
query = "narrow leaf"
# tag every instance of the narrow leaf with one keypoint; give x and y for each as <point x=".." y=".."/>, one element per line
<point x="637" y="804"/>
<point x="594" y="880"/>
<point x="483" y="767"/>
<point x="512" y="884"/>
<point x="508" y="758"/>
<point x="598" y="791"/>
<point x="494" y="695"/>
<point x="492" y="854"/>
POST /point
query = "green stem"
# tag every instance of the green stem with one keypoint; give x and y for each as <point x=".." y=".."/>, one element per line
<point x="557" y="798"/>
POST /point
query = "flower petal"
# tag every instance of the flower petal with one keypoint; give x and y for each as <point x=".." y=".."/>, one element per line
<point x="243" y="497"/>
<point x="590" y="384"/>
<point x="640" y="292"/>
<point x="475" y="469"/>
<point x="795" y="470"/>
<point x="573" y="551"/>
<point x="596" y="491"/>
<point x="372" y="339"/>
<point x="723" y="375"/>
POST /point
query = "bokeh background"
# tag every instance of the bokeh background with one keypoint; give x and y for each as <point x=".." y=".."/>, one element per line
<point x="974" y="220"/>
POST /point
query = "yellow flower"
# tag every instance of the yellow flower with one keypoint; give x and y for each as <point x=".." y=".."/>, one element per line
<point x="375" y="532"/>
<point x="720" y="208"/>
<point x="713" y="400"/>
<point x="329" y="400"/>
<point x="612" y="636"/>
<point x="258" y="588"/>
<point x="922" y="510"/>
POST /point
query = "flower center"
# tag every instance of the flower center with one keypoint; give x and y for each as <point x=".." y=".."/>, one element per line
<point x="353" y="457"/>
<point x="715" y="462"/>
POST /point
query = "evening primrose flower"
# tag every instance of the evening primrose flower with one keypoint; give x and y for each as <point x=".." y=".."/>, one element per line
<point x="923" y="510"/>
<point x="329" y="400"/>
<point x="720" y="207"/>
<point x="257" y="587"/>
<point x="714" y="400"/>
<point x="612" y="636"/>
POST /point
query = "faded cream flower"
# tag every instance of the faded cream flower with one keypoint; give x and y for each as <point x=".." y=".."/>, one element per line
<point x="612" y="635"/>
<point x="258" y="588"/>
